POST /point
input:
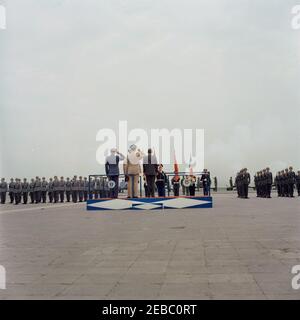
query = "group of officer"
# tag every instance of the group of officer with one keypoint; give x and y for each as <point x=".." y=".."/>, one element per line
<point x="37" y="190"/>
<point x="242" y="181"/>
<point x="285" y="182"/>
<point x="263" y="181"/>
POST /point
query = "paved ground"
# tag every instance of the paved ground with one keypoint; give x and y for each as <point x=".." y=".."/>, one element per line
<point x="239" y="249"/>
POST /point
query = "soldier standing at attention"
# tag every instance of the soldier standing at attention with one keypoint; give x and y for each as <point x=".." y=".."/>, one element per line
<point x="74" y="187"/>
<point x="262" y="183"/>
<point x="85" y="189"/>
<point x="298" y="183"/>
<point x="255" y="183"/>
<point x="25" y="190"/>
<point x="50" y="190"/>
<point x="176" y="185"/>
<point x="80" y="189"/>
<point x="236" y="182"/>
<point x="31" y="190"/>
<point x="241" y="183"/>
<point x="18" y="191"/>
<point x="216" y="184"/>
<point x="291" y="181"/>
<point x="97" y="188"/>
<point x="37" y="190"/>
<point x="68" y="189"/>
<point x="91" y="188"/>
<point x="192" y="186"/>
<point x="3" y="190"/>
<point x="230" y="183"/>
<point x="11" y="190"/>
<point x="44" y="189"/>
<point x="246" y="182"/>
<point x="55" y="189"/>
<point x="281" y="183"/>
<point x="285" y="183"/>
<point x="205" y="178"/>
<point x="161" y="180"/>
<point x="62" y="188"/>
<point x="277" y="184"/>
<point x="269" y="182"/>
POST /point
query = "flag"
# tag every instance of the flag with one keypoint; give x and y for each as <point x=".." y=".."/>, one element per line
<point x="176" y="168"/>
<point x="191" y="166"/>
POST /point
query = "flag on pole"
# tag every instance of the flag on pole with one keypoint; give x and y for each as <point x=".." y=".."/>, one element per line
<point x="191" y="166"/>
<point x="176" y="168"/>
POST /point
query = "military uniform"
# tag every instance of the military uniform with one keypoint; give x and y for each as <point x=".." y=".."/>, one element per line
<point x="205" y="178"/>
<point x="11" y="190"/>
<point x="62" y="188"/>
<point x="55" y="190"/>
<point x="269" y="182"/>
<point x="298" y="183"/>
<point x="104" y="193"/>
<point x="37" y="190"/>
<point x="97" y="188"/>
<point x="291" y="182"/>
<point x="44" y="189"/>
<point x="85" y="189"/>
<point x="281" y="181"/>
<point x="161" y="180"/>
<point x="263" y="184"/>
<point x="18" y="191"/>
<point x="80" y="189"/>
<point x="68" y="189"/>
<point x="3" y="191"/>
<point x="91" y="188"/>
<point x="31" y="190"/>
<point x="237" y="184"/>
<point x="192" y="186"/>
<point x="255" y="183"/>
<point x="25" y="190"/>
<point x="176" y="185"/>
<point x="277" y="184"/>
<point x="74" y="187"/>
<point x="285" y="184"/>
<point x="50" y="190"/>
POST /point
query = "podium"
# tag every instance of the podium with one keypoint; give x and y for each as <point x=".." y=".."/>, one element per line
<point x="181" y="202"/>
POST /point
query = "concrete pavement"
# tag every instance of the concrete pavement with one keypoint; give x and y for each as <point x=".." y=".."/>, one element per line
<point x="240" y="249"/>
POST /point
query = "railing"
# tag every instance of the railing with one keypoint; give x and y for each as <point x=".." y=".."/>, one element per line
<point x="101" y="185"/>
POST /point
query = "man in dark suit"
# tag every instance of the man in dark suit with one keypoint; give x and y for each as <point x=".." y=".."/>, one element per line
<point x="113" y="172"/>
<point x="150" y="168"/>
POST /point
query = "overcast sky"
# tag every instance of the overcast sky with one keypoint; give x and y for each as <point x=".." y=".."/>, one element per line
<point x="69" y="68"/>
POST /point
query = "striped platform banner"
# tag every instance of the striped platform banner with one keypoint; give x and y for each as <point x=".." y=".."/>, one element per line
<point x="150" y="203"/>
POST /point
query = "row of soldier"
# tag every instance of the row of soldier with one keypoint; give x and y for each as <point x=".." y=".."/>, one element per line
<point x="242" y="181"/>
<point x="263" y="181"/>
<point x="285" y="182"/>
<point x="57" y="190"/>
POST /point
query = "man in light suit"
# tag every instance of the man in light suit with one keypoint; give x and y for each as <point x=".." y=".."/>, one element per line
<point x="132" y="170"/>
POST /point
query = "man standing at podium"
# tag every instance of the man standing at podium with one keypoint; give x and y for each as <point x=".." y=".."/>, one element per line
<point x="112" y="171"/>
